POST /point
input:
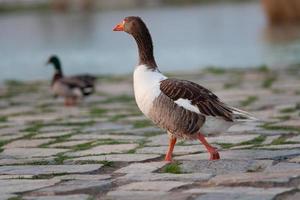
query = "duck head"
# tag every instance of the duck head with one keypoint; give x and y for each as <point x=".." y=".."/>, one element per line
<point x="55" y="62"/>
<point x="135" y="26"/>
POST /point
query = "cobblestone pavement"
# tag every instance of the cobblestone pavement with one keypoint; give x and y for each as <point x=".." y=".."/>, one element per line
<point x="106" y="149"/>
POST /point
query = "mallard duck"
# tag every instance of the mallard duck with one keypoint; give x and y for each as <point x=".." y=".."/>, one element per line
<point x="71" y="88"/>
<point x="185" y="109"/>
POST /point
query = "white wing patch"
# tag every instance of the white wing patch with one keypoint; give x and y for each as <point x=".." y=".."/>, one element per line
<point x="77" y="92"/>
<point x="187" y="104"/>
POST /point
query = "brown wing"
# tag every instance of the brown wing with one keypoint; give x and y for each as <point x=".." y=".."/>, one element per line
<point x="207" y="102"/>
<point x="72" y="82"/>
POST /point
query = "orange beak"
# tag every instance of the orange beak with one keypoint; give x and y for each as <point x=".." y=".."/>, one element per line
<point x="119" y="27"/>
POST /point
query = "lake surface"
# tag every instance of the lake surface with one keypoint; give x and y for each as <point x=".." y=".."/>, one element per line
<point x="185" y="38"/>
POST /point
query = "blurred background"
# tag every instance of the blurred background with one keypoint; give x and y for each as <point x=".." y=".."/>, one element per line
<point x="187" y="34"/>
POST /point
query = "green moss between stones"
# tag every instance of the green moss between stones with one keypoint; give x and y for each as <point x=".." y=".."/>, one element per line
<point x="172" y="168"/>
<point x="15" y="198"/>
<point x="117" y="117"/>
<point x="284" y="117"/>
<point x="3" y="119"/>
<point x="249" y="100"/>
<point x="288" y="110"/>
<point x="268" y="82"/>
<point x="279" y="141"/>
<point x="142" y="124"/>
<point x="256" y="141"/>
<point x="215" y="70"/>
<point x="84" y="146"/>
<point x="269" y="126"/>
<point x="121" y="98"/>
<point x="60" y="158"/>
<point x="98" y="112"/>
<point x="263" y="68"/>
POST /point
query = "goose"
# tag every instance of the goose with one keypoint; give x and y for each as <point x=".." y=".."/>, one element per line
<point x="71" y="88"/>
<point x="184" y="109"/>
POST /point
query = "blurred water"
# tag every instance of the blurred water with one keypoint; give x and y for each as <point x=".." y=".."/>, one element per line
<point x="226" y="35"/>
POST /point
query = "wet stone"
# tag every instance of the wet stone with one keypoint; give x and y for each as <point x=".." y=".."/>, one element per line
<point x="145" y="195"/>
<point x="52" y="134"/>
<point x="223" y="166"/>
<point x="27" y="143"/>
<point x="37" y="117"/>
<point x="75" y="185"/>
<point x="158" y="140"/>
<point x="16" y="110"/>
<point x="188" y="177"/>
<point x="105" y="149"/>
<point x="69" y="143"/>
<point x="177" y="150"/>
<point x="289" y="123"/>
<point x="242" y="193"/>
<point x="106" y="126"/>
<point x="294" y="139"/>
<point x="295" y="159"/>
<point x="14" y="161"/>
<point x="11" y="130"/>
<point x="270" y="139"/>
<point x="141" y="131"/>
<point x="255" y="177"/>
<point x="246" y="154"/>
<point x="57" y="129"/>
<point x="30" y="152"/>
<point x="22" y="185"/>
<point x="152" y="186"/>
<point x="83" y="177"/>
<point x="283" y="166"/>
<point x="232" y="139"/>
<point x="48" y="169"/>
<point x="141" y="168"/>
<point x="281" y="146"/>
<point x="60" y="197"/>
<point x="119" y="157"/>
<point x="94" y="136"/>
<point x="16" y="176"/>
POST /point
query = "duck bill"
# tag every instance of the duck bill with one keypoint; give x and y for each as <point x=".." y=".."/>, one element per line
<point x="119" y="27"/>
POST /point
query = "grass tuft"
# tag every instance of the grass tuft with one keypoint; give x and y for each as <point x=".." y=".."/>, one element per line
<point x="98" y="112"/>
<point x="60" y="158"/>
<point x="263" y="68"/>
<point x="172" y="168"/>
<point x="269" y="126"/>
<point x="288" y="110"/>
<point x="215" y="70"/>
<point x="256" y="141"/>
<point x="268" y="82"/>
<point x="142" y="123"/>
<point x="249" y="100"/>
<point x="3" y="119"/>
<point x="120" y="98"/>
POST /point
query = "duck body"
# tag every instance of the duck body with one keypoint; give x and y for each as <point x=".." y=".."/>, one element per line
<point x="184" y="109"/>
<point x="181" y="118"/>
<point x="71" y="88"/>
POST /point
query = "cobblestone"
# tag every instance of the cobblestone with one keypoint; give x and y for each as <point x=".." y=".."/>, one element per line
<point x="106" y="149"/>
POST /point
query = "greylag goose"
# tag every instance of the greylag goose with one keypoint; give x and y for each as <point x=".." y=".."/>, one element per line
<point x="183" y="108"/>
<point x="71" y="88"/>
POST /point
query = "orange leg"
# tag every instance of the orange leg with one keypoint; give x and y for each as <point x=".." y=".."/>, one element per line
<point x="214" y="154"/>
<point x="73" y="101"/>
<point x="172" y="142"/>
<point x="67" y="101"/>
